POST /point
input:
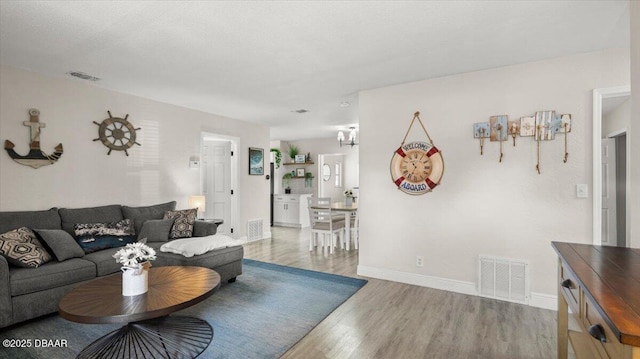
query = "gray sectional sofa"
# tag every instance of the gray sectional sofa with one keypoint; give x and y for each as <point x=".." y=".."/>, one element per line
<point x="27" y="293"/>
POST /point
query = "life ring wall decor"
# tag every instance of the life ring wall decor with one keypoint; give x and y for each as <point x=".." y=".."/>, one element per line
<point x="417" y="167"/>
<point x="36" y="158"/>
<point x="117" y="133"/>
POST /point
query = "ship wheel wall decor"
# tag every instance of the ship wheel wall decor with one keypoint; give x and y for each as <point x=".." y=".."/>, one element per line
<point x="117" y="133"/>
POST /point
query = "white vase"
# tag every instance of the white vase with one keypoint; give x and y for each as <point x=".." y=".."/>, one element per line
<point x="348" y="201"/>
<point x="135" y="281"/>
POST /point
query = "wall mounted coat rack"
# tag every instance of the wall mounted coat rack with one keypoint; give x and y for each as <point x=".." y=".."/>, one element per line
<point x="543" y="126"/>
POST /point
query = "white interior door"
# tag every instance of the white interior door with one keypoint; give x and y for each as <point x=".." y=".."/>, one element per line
<point x="216" y="163"/>
<point x="609" y="224"/>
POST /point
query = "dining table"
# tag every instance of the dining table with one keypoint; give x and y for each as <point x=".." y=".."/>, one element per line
<point x="349" y="210"/>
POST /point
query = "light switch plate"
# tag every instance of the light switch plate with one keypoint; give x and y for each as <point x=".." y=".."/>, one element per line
<point x="582" y="190"/>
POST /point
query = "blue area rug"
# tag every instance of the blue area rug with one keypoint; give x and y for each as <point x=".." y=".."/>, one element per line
<point x="263" y="314"/>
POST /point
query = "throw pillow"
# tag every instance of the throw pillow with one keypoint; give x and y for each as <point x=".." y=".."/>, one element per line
<point x="120" y="228"/>
<point x="60" y="243"/>
<point x="156" y="230"/>
<point x="141" y="214"/>
<point x="21" y="248"/>
<point x="90" y="244"/>
<point x="183" y="224"/>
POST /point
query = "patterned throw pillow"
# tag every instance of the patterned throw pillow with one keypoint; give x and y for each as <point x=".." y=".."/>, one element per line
<point x="96" y="236"/>
<point x="120" y="228"/>
<point x="183" y="224"/>
<point x="21" y="248"/>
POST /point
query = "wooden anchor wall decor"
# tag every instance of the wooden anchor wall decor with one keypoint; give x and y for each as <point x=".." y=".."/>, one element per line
<point x="117" y="133"/>
<point x="35" y="158"/>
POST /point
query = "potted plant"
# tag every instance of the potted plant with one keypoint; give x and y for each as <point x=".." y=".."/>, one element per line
<point x="278" y="156"/>
<point x="293" y="151"/>
<point x="308" y="176"/>
<point x="285" y="182"/>
<point x="348" y="197"/>
<point x="135" y="260"/>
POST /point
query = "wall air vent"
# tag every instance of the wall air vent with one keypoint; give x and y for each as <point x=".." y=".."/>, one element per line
<point x="254" y="230"/>
<point x="82" y="75"/>
<point x="503" y="278"/>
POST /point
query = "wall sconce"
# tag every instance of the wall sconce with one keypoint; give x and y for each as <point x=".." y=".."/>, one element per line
<point x="199" y="203"/>
<point x="352" y="137"/>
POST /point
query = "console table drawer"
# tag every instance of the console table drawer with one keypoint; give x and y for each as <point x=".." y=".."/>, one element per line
<point x="610" y="347"/>
<point x="570" y="289"/>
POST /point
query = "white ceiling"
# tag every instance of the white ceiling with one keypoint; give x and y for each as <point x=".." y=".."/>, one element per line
<point x="259" y="61"/>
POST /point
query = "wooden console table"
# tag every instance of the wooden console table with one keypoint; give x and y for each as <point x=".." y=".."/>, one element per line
<point x="601" y="285"/>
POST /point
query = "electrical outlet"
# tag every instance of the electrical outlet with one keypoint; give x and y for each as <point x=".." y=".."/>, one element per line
<point x="419" y="261"/>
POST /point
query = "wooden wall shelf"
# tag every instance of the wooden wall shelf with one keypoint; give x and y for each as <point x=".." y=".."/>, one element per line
<point x="299" y="164"/>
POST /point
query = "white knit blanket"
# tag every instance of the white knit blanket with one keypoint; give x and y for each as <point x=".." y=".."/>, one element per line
<point x="194" y="246"/>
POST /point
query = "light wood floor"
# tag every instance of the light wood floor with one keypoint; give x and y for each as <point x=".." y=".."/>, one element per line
<point x="393" y="320"/>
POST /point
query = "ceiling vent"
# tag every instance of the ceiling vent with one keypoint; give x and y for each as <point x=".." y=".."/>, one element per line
<point x="300" y="111"/>
<point x="82" y="75"/>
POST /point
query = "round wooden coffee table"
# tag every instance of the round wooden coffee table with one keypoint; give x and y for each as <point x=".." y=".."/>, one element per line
<point x="150" y="332"/>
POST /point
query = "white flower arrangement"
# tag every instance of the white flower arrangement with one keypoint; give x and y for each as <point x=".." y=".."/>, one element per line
<point x="134" y="254"/>
<point x="348" y="193"/>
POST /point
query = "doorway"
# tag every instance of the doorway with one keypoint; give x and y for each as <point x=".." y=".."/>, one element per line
<point x="331" y="182"/>
<point x="218" y="177"/>
<point x="610" y="177"/>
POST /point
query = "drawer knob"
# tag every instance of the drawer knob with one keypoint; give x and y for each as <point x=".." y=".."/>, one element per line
<point x="597" y="332"/>
<point x="566" y="283"/>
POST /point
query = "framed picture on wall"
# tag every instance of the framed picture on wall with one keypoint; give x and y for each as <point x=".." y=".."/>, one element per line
<point x="256" y="161"/>
<point x="299" y="172"/>
<point x="300" y="159"/>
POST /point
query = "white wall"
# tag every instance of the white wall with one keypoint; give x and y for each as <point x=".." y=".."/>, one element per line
<point x="617" y="119"/>
<point x="634" y="132"/>
<point x="157" y="171"/>
<point x="482" y="206"/>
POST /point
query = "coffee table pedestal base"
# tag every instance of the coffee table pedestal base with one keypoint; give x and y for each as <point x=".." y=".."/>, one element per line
<point x="171" y="337"/>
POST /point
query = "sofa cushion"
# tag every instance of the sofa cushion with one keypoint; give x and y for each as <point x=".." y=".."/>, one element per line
<point x="141" y="214"/>
<point x="60" y="243"/>
<point x="156" y="230"/>
<point x="31" y="219"/>
<point x="183" y="224"/>
<point x="50" y="275"/>
<point x="104" y="261"/>
<point x="103" y="214"/>
<point x="90" y="244"/>
<point x="203" y="228"/>
<point x="21" y="248"/>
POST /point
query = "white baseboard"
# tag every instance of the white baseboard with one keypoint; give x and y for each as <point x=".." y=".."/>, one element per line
<point x="451" y="285"/>
<point x="539" y="300"/>
<point x="544" y="301"/>
<point x="244" y="239"/>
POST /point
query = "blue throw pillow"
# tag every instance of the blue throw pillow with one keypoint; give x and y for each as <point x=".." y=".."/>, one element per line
<point x="91" y="244"/>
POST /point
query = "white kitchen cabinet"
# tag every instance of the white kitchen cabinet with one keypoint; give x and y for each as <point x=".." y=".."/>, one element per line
<point x="291" y="210"/>
<point x="286" y="210"/>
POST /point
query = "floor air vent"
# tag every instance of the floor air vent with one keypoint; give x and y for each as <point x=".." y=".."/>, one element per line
<point x="504" y="278"/>
<point x="254" y="230"/>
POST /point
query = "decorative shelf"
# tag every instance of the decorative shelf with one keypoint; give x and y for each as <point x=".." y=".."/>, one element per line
<point x="299" y="164"/>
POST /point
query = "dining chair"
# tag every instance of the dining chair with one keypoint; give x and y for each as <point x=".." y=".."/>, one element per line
<point x="355" y="229"/>
<point x="325" y="222"/>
